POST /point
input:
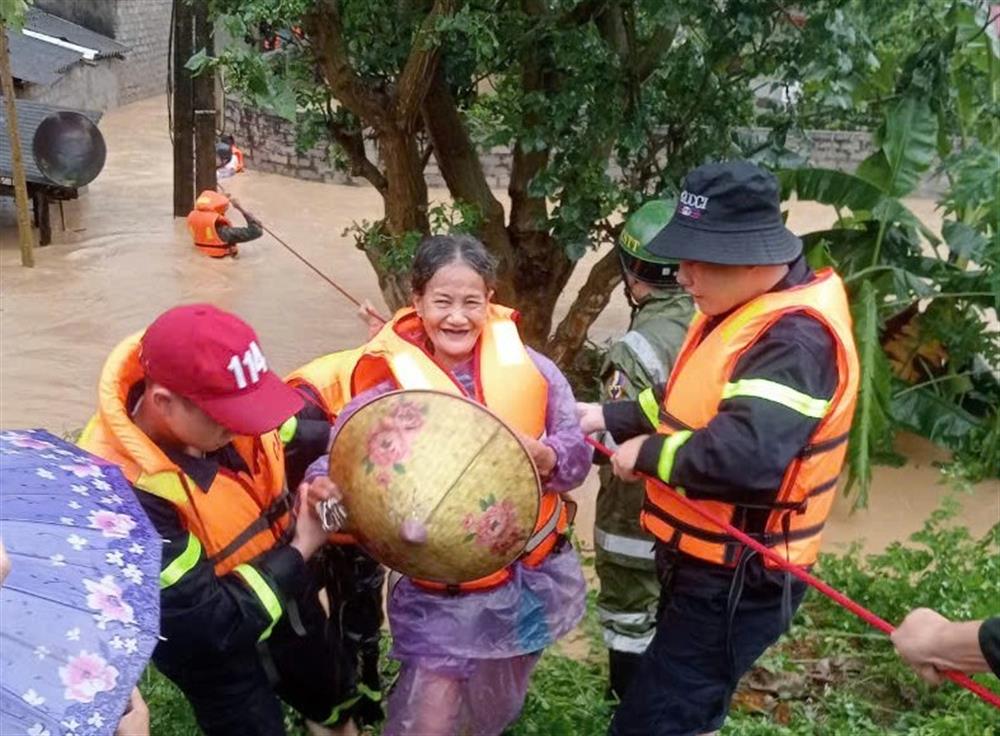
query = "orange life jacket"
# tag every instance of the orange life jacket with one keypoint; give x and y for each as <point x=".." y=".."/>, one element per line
<point x="208" y="214"/>
<point x="506" y="380"/>
<point x="238" y="155"/>
<point x="701" y="380"/>
<point x="327" y="380"/>
<point x="238" y="518"/>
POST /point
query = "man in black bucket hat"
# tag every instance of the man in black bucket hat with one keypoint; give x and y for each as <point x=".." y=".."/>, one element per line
<point x="752" y="424"/>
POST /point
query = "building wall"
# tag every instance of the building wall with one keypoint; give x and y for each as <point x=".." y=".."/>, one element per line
<point x="84" y="87"/>
<point x="97" y="15"/>
<point x="269" y="145"/>
<point x="142" y="25"/>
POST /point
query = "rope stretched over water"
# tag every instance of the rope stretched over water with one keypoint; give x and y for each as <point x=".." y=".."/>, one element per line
<point x="836" y="596"/>
<point x="344" y="292"/>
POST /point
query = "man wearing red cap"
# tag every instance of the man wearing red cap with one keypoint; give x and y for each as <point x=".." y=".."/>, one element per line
<point x="192" y="413"/>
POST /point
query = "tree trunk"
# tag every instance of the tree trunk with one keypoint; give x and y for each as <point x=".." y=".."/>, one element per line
<point x="203" y="100"/>
<point x="25" y="235"/>
<point x="458" y="161"/>
<point x="405" y="209"/>
<point x="183" y="111"/>
<point x="591" y="300"/>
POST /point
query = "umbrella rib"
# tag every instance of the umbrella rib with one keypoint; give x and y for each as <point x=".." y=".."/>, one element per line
<point x="41" y="714"/>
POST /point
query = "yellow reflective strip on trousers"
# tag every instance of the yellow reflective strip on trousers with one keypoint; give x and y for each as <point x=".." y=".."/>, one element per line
<point x="666" y="464"/>
<point x="650" y="407"/>
<point x="287" y="430"/>
<point x="182" y="564"/>
<point x="264" y="594"/>
<point x="760" y="388"/>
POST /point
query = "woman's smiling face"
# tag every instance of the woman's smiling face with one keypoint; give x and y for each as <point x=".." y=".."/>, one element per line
<point x="453" y="308"/>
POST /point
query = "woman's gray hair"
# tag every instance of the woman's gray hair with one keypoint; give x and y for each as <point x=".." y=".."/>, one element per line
<point x="438" y="251"/>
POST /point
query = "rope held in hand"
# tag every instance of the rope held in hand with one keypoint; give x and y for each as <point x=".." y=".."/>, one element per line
<point x="802" y="574"/>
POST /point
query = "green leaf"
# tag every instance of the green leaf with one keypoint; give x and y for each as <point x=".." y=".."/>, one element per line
<point x="828" y="186"/>
<point x="400" y="469"/>
<point x="871" y="431"/>
<point x="909" y="145"/>
<point x="933" y="416"/>
<point x="199" y="62"/>
<point x="965" y="242"/>
<point x="848" y="191"/>
<point x="484" y="504"/>
<point x="468" y="538"/>
<point x="12" y="13"/>
<point x="284" y="104"/>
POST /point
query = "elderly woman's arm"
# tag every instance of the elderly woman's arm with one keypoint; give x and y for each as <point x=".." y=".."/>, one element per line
<point x="562" y="430"/>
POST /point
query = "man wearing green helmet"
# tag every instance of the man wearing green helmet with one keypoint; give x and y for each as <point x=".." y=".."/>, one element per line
<point x="642" y="358"/>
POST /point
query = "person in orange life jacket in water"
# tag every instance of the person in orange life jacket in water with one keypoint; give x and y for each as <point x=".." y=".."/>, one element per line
<point x="212" y="231"/>
<point x="752" y="424"/>
<point x="191" y="412"/>
<point x="230" y="156"/>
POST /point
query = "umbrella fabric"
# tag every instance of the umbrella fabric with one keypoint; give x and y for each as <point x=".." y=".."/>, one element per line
<point x="79" y="612"/>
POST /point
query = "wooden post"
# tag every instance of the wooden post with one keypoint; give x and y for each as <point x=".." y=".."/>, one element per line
<point x="43" y="216"/>
<point x="204" y="106"/>
<point x="183" y="110"/>
<point x="25" y="235"/>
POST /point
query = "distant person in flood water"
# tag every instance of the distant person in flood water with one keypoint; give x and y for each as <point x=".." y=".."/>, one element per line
<point x="212" y="232"/>
<point x="229" y="158"/>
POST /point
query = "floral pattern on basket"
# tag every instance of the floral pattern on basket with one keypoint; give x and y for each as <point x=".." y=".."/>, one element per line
<point x="497" y="528"/>
<point x="391" y="440"/>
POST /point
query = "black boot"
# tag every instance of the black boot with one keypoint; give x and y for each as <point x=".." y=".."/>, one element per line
<point x="622" y="667"/>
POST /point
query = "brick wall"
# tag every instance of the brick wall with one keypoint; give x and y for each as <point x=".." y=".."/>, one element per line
<point x="143" y="26"/>
<point x="269" y="144"/>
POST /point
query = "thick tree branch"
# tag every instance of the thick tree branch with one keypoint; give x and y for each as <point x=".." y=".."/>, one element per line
<point x="654" y="50"/>
<point x="590" y="301"/>
<point x="459" y="163"/>
<point x="352" y="142"/>
<point x="418" y="72"/>
<point x="326" y="29"/>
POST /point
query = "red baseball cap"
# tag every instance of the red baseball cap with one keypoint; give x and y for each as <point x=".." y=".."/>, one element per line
<point x="213" y="358"/>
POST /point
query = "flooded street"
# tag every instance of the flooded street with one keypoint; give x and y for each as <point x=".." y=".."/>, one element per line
<point x="123" y="259"/>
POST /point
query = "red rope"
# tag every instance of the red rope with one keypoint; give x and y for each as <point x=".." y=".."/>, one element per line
<point x="858" y="610"/>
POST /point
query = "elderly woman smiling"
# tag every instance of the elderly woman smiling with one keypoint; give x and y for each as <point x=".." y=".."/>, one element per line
<point x="467" y="654"/>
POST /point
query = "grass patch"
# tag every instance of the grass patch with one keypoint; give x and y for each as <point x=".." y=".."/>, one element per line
<point x="830" y="675"/>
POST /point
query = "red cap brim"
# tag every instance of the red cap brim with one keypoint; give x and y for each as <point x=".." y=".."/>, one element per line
<point x="254" y="412"/>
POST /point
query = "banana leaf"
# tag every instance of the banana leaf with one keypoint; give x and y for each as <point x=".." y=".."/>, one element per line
<point x="909" y="144"/>
<point x="933" y="416"/>
<point x="871" y="431"/>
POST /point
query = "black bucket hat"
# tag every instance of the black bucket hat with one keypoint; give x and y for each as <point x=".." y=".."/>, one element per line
<point x="728" y="213"/>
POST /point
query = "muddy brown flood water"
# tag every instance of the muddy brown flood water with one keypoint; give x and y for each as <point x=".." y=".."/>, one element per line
<point x="123" y="259"/>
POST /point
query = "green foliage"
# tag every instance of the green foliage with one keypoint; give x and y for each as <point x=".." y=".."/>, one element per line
<point x="842" y="678"/>
<point x="12" y="13"/>
<point x="395" y="254"/>
<point x="925" y="303"/>
<point x="870" y="432"/>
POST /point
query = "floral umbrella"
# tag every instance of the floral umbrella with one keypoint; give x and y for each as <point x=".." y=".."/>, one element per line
<point x="80" y="607"/>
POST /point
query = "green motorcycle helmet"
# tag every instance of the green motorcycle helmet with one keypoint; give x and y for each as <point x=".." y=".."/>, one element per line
<point x="644" y="224"/>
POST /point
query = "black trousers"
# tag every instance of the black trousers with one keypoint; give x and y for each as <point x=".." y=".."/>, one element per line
<point x="713" y="625"/>
<point x="303" y="663"/>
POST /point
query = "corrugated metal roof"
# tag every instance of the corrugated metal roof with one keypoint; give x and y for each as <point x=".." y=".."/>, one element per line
<point x="29" y="116"/>
<point x="51" y="25"/>
<point x="38" y="62"/>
